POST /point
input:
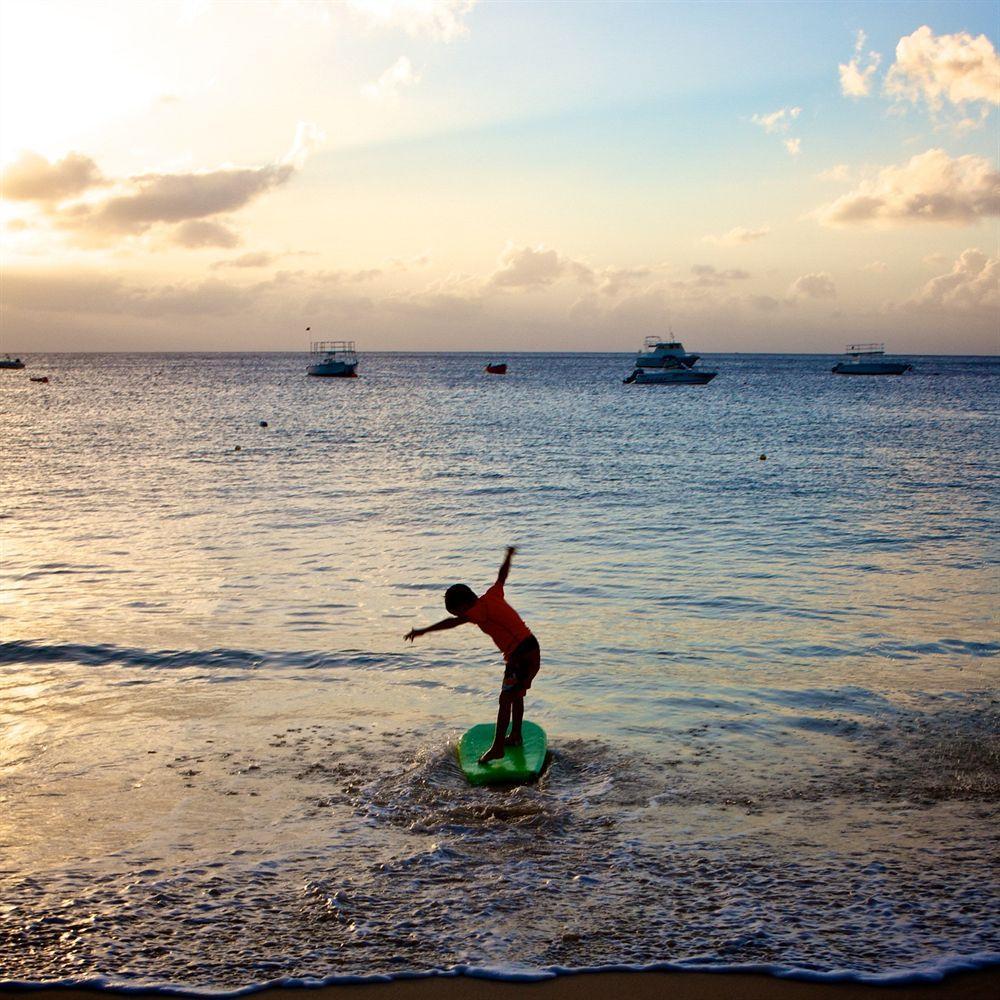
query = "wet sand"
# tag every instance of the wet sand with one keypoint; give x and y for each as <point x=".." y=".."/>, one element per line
<point x="981" y="985"/>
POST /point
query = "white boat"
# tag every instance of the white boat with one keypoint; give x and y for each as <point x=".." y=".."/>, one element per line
<point x="333" y="359"/>
<point x="863" y="362"/>
<point x="669" y="376"/>
<point x="8" y="362"/>
<point x="658" y="353"/>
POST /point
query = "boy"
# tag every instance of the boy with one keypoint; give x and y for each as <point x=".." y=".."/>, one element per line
<point x="513" y="638"/>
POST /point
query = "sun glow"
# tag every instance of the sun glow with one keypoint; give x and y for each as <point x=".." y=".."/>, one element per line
<point x="65" y="70"/>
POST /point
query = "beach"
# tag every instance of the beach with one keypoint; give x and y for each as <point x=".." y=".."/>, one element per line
<point x="596" y="986"/>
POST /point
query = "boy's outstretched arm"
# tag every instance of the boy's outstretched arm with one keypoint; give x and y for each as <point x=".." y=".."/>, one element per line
<point x="505" y="565"/>
<point x="440" y="626"/>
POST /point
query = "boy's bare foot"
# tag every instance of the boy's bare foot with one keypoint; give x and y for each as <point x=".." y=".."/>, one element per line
<point x="494" y="753"/>
<point x="513" y="741"/>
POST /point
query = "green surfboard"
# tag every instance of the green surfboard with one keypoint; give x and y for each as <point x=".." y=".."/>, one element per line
<point x="519" y="763"/>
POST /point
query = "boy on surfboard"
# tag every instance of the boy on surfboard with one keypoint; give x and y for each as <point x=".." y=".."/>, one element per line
<point x="513" y="638"/>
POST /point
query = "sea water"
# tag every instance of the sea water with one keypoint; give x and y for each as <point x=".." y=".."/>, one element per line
<point x="769" y="683"/>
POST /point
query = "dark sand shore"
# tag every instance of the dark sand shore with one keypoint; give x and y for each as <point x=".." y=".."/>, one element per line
<point x="982" y="985"/>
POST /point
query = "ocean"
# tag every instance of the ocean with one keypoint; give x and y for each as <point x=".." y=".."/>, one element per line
<point x="767" y="615"/>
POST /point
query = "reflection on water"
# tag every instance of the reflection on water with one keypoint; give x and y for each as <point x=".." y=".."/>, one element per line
<point x="769" y="686"/>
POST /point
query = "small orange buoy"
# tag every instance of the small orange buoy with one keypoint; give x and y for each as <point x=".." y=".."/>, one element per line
<point x="237" y="448"/>
<point x="763" y="458"/>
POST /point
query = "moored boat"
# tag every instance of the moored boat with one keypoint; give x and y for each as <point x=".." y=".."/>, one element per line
<point x="333" y="359"/>
<point x="499" y="369"/>
<point x="11" y="363"/>
<point x="657" y="353"/>
<point x="669" y="376"/>
<point x="864" y="362"/>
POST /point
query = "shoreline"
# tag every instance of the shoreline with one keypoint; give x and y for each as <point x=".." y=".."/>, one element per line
<point x="979" y="984"/>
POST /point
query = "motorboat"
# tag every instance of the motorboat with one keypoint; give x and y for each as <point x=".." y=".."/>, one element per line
<point x="500" y="369"/>
<point x="333" y="359"/>
<point x="657" y="353"/>
<point x="665" y="362"/>
<point x="864" y="362"/>
<point x="44" y="379"/>
<point x="8" y="362"/>
<point x="677" y="375"/>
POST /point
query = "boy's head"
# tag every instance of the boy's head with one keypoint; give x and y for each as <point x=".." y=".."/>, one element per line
<point x="458" y="599"/>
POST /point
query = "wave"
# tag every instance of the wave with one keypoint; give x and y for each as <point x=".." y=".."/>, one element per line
<point x="930" y="972"/>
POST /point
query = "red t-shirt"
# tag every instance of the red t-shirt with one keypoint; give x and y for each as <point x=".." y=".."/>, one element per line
<point x="498" y="620"/>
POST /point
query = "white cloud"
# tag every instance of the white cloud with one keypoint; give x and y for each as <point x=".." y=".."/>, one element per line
<point x="933" y="68"/>
<point x="777" y="121"/>
<point x="876" y="267"/>
<point x="855" y="79"/>
<point x="971" y="286"/>
<point x="308" y="138"/>
<point x="442" y="20"/>
<point x="386" y="88"/>
<point x="813" y="286"/>
<point x="737" y="237"/>
<point x="931" y="187"/>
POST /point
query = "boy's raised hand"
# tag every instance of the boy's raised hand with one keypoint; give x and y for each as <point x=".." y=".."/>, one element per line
<point x="412" y="634"/>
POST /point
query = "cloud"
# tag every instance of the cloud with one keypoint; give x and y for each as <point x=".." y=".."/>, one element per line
<point x="136" y="204"/>
<point x="197" y="233"/>
<point x="308" y="138"/>
<point x="855" y="80"/>
<point x="33" y="178"/>
<point x="387" y="86"/>
<point x="706" y="276"/>
<point x="613" y="281"/>
<point x="971" y="286"/>
<point x="765" y="303"/>
<point x="876" y="267"/>
<point x="839" y="172"/>
<point x="955" y="68"/>
<point x="442" y="20"/>
<point x="777" y="121"/>
<point x="535" y="267"/>
<point x="931" y="187"/>
<point x="258" y="258"/>
<point x="738" y="236"/>
<point x="813" y="286"/>
<point x="175" y="198"/>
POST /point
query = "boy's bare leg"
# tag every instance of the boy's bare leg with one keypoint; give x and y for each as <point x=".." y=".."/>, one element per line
<point x="517" y="715"/>
<point x="496" y="751"/>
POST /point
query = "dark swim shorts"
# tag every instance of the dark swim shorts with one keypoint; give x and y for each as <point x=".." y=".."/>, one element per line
<point x="522" y="665"/>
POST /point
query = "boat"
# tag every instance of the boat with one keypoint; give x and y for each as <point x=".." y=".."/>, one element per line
<point x="677" y="375"/>
<point x="40" y="378"/>
<point x="8" y="362"/>
<point x="657" y="353"/>
<point x="333" y="359"/>
<point x="863" y="362"/>
<point x="500" y="369"/>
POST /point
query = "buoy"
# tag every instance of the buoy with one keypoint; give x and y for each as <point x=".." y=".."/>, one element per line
<point x="263" y="423"/>
<point x="237" y="448"/>
<point x="763" y="458"/>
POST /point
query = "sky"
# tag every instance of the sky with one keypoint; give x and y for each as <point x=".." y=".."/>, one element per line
<point x="477" y="175"/>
